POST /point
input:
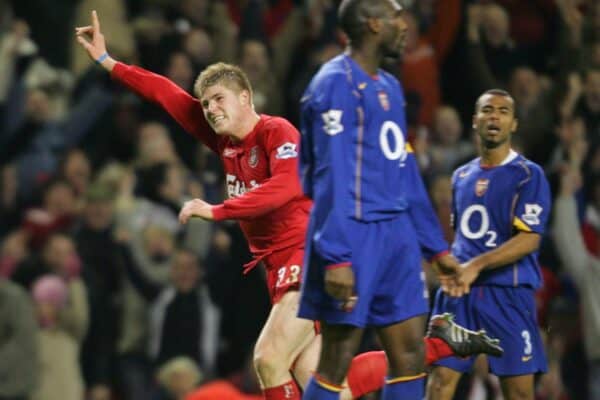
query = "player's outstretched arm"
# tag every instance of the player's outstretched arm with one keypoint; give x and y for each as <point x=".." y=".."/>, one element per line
<point x="184" y="108"/>
<point x="92" y="40"/>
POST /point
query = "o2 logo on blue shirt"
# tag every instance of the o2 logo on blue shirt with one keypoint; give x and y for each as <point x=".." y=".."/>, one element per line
<point x="388" y="130"/>
<point x="484" y="227"/>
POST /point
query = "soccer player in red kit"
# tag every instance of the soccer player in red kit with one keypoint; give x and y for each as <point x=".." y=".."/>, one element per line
<point x="260" y="158"/>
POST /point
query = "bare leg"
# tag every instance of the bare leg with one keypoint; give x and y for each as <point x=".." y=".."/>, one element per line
<point x="307" y="361"/>
<point x="404" y="347"/>
<point x="517" y="387"/>
<point x="281" y="340"/>
<point x="340" y="343"/>
<point x="306" y="365"/>
<point x="441" y="384"/>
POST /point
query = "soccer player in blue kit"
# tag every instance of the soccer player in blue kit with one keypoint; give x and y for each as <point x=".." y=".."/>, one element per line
<point x="501" y="202"/>
<point x="371" y="220"/>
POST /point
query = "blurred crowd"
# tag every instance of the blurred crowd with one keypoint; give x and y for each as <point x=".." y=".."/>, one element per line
<point x="104" y="295"/>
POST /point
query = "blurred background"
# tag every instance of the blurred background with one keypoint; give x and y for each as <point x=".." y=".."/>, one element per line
<point x="104" y="295"/>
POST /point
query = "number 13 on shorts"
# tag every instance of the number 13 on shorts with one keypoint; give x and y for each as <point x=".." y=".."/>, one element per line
<point x="288" y="275"/>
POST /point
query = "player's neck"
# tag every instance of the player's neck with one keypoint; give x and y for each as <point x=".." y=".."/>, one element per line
<point x="366" y="57"/>
<point x="494" y="157"/>
<point x="245" y="128"/>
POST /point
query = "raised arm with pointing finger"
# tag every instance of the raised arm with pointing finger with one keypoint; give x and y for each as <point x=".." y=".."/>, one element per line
<point x="185" y="109"/>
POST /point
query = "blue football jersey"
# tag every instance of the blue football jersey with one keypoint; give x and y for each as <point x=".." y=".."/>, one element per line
<point x="356" y="162"/>
<point x="491" y="205"/>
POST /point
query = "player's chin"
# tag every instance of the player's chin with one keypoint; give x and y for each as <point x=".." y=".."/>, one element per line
<point x="492" y="143"/>
<point x="395" y="53"/>
<point x="218" y="129"/>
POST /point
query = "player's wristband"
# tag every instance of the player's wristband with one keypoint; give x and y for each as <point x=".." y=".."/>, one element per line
<point x="102" y="57"/>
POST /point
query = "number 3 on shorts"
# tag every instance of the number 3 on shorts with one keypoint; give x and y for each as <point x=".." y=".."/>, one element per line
<point x="287" y="275"/>
<point x="527" y="339"/>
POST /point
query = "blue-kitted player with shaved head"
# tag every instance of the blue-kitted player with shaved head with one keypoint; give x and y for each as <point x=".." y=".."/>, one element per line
<point x="371" y="221"/>
<point x="501" y="203"/>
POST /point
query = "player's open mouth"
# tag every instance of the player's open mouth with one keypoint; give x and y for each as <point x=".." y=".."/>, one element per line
<point x="217" y="119"/>
<point x="494" y="129"/>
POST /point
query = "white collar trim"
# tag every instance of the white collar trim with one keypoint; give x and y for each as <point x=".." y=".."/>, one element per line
<point x="511" y="156"/>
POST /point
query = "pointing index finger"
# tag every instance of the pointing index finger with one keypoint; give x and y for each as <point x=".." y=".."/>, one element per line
<point x="95" y="22"/>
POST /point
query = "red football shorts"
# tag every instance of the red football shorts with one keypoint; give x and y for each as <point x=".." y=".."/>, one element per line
<point x="284" y="272"/>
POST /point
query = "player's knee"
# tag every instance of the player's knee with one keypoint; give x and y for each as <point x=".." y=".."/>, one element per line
<point x="440" y="384"/>
<point x="267" y="361"/>
<point x="334" y="367"/>
<point x="408" y="361"/>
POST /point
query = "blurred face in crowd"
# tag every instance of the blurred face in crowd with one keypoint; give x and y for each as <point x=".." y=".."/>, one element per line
<point x="185" y="271"/>
<point x="254" y="59"/>
<point x="199" y="46"/>
<point x="571" y="130"/>
<point x="173" y="186"/>
<point x="494" y="120"/>
<point x="60" y="255"/>
<point x="159" y="244"/>
<point x="47" y="313"/>
<point x="196" y="10"/>
<point x="154" y="144"/>
<point x="496" y="25"/>
<point x="98" y="214"/>
<point x="180" y="70"/>
<point x="59" y="199"/>
<point x="77" y="170"/>
<point x="591" y="89"/>
<point x="37" y="106"/>
<point x="447" y="125"/>
<point x="225" y="107"/>
<point x="14" y="246"/>
<point x="525" y="86"/>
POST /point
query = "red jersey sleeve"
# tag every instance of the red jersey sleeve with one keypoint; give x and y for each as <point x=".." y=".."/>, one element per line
<point x="185" y="109"/>
<point x="280" y="140"/>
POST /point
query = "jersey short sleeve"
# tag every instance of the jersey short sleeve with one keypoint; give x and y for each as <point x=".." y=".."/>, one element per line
<point x="533" y="201"/>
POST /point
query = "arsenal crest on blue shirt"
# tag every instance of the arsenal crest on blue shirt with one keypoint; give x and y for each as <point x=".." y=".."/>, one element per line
<point x="383" y="100"/>
<point x="481" y="186"/>
<point x="253" y="157"/>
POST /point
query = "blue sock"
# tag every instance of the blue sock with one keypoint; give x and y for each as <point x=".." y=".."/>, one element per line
<point x="405" y="388"/>
<point x="320" y="391"/>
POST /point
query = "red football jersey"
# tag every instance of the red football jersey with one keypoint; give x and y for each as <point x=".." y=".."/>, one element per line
<point x="261" y="171"/>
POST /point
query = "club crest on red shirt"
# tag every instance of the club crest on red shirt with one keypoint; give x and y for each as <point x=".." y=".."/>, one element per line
<point x="384" y="101"/>
<point x="253" y="157"/>
<point x="481" y="186"/>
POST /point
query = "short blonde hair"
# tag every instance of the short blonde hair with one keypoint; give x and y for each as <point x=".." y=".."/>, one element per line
<point x="229" y="75"/>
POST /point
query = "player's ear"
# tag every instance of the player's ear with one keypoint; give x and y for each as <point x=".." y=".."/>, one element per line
<point x="474" y="122"/>
<point x="515" y="125"/>
<point x="374" y="24"/>
<point x="245" y="97"/>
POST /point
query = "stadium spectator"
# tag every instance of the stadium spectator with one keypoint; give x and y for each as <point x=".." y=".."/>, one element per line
<point x="63" y="317"/>
<point x="19" y="364"/>
<point x="583" y="266"/>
